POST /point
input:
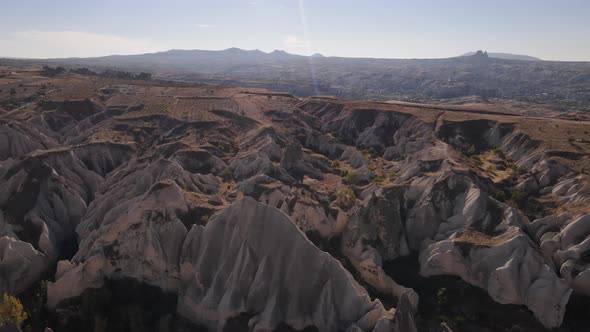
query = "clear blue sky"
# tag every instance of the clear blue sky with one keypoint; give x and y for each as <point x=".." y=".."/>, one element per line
<point x="552" y="30"/>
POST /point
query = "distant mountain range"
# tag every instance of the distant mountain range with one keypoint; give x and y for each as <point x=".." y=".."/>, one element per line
<point x="236" y="61"/>
<point x="487" y="75"/>
<point x="507" y="56"/>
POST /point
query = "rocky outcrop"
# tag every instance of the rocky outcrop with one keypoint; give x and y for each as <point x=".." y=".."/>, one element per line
<point x="565" y="242"/>
<point x="507" y="265"/>
<point x="141" y="243"/>
<point x="18" y="139"/>
<point x="20" y="264"/>
<point x="199" y="161"/>
<point x="128" y="185"/>
<point x="248" y="259"/>
<point x="257" y="265"/>
<point x="482" y="242"/>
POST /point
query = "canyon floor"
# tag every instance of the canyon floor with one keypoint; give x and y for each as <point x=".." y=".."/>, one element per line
<point x="152" y="205"/>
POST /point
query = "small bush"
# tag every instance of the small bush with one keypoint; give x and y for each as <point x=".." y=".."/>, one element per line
<point x="441" y="296"/>
<point x="12" y="312"/>
<point x="335" y="164"/>
<point x="489" y="169"/>
<point x="378" y="178"/>
<point x="519" y="197"/>
<point x="204" y="218"/>
<point x="460" y="320"/>
<point x="476" y="160"/>
<point x="393" y="175"/>
<point x="500" y="195"/>
<point x="351" y="177"/>
<point x="346" y="196"/>
<point x="518" y="170"/>
<point x="498" y="152"/>
<point x="471" y="150"/>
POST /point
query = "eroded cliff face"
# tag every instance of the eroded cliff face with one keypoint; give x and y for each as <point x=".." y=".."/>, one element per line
<point x="262" y="212"/>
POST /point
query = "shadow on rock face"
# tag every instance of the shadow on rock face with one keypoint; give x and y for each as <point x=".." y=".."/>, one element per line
<point x="463" y="307"/>
<point x="122" y="305"/>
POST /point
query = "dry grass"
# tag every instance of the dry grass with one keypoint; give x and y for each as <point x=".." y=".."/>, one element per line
<point x="109" y="135"/>
<point x="474" y="237"/>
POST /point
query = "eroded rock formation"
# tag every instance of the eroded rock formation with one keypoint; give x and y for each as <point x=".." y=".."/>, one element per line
<point x="264" y="211"/>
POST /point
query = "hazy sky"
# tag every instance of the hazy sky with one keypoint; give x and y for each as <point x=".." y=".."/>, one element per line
<point x="552" y="30"/>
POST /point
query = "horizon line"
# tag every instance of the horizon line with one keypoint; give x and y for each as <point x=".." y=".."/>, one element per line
<point x="316" y="54"/>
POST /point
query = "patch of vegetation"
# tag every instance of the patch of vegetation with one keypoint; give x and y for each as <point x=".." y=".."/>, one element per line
<point x="126" y="75"/>
<point x="466" y="151"/>
<point x="204" y="219"/>
<point x="489" y="169"/>
<point x="12" y="312"/>
<point x="460" y="320"/>
<point x="351" y="177"/>
<point x="496" y="150"/>
<point x="441" y="296"/>
<point x="519" y="197"/>
<point x="378" y="178"/>
<point x="346" y="196"/>
<point x="335" y="164"/>
<point x="50" y="71"/>
<point x="393" y="175"/>
<point x="500" y="195"/>
<point x="476" y="160"/>
<point x="83" y="71"/>
<point x="518" y="170"/>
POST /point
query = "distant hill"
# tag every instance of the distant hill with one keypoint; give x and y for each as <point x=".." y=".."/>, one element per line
<point x="507" y="56"/>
